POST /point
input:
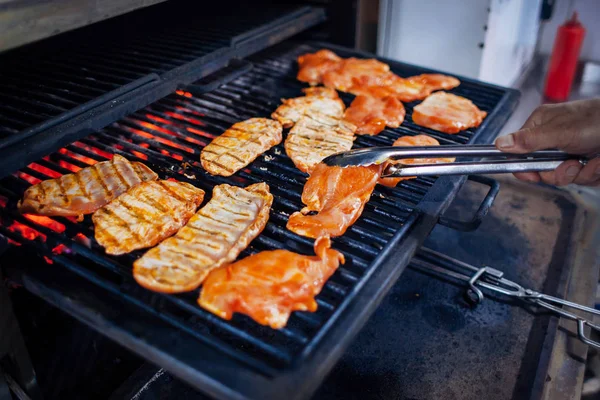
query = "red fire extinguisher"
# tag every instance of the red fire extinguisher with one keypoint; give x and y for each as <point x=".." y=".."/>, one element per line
<point x="563" y="62"/>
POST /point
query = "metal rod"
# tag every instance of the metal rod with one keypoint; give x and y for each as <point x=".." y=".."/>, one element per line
<point x="470" y="168"/>
<point x="493" y="280"/>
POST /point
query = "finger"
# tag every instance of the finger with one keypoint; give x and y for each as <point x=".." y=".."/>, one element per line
<point x="528" y="176"/>
<point x="567" y="172"/>
<point x="526" y="140"/>
<point x="548" y="177"/>
<point x="590" y="174"/>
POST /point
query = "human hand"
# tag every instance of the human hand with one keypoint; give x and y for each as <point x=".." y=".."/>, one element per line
<point x="573" y="127"/>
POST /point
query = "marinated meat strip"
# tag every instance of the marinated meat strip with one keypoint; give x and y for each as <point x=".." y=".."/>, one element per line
<point x="239" y="145"/>
<point x="86" y="190"/>
<point x="435" y="82"/>
<point x="446" y="112"/>
<point x="317" y="101"/>
<point x="315" y="137"/>
<point x="145" y="215"/>
<point x="356" y="72"/>
<point x="338" y="195"/>
<point x="418" y="140"/>
<point x="214" y="236"/>
<point x="372" y="114"/>
<point x="312" y="66"/>
<point x="270" y="285"/>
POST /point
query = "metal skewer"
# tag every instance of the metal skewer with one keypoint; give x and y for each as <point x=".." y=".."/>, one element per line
<point x="493" y="280"/>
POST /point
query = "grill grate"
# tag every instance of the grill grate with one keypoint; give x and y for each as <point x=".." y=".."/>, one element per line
<point x="75" y="68"/>
<point x="168" y="136"/>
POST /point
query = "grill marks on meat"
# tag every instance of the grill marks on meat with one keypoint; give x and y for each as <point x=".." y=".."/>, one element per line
<point x="419" y="140"/>
<point x="239" y="145"/>
<point x="270" y="285"/>
<point x="317" y="101"/>
<point x="214" y="236"/>
<point x="446" y="112"/>
<point x="312" y="66"/>
<point x="85" y="191"/>
<point x="338" y="195"/>
<point x="145" y="215"/>
<point x="372" y="114"/>
<point x="315" y="137"/>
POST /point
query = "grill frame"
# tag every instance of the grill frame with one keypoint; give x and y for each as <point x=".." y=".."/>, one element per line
<point x="228" y="377"/>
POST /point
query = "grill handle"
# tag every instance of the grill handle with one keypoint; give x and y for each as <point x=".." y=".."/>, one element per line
<point x="235" y="68"/>
<point x="482" y="211"/>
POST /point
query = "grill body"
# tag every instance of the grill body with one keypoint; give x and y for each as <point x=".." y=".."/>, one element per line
<point x="236" y="359"/>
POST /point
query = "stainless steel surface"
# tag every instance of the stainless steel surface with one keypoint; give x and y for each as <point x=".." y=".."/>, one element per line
<point x="469" y="168"/>
<point x="378" y="155"/>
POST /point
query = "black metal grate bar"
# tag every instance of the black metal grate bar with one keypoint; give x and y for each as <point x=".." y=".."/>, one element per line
<point x="168" y="136"/>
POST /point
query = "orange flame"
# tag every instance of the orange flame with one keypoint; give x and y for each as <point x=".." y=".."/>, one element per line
<point x="26" y="177"/>
<point x="161" y="140"/>
<point x="79" y="157"/>
<point x="184" y="118"/>
<point x="60" y="249"/>
<point x="84" y="240"/>
<point x="25" y="231"/>
<point x="201" y="133"/>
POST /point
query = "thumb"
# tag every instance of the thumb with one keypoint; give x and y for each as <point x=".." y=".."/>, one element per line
<point x="527" y="140"/>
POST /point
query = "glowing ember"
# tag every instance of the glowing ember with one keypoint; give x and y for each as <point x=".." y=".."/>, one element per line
<point x="182" y="93"/>
<point x="184" y="118"/>
<point x="46" y="222"/>
<point x="175" y="156"/>
<point x="44" y="170"/>
<point x="3" y="201"/>
<point x="201" y="133"/>
<point x="159" y="119"/>
<point x="26" y="232"/>
<point x="139" y="155"/>
<point x="70" y="167"/>
<point x="26" y="177"/>
<point x="161" y="140"/>
<point x="79" y="157"/>
<point x="48" y="260"/>
<point x="94" y="150"/>
<point x="60" y="249"/>
<point x="82" y="239"/>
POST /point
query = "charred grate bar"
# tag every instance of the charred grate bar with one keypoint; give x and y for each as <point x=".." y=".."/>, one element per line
<point x="239" y="357"/>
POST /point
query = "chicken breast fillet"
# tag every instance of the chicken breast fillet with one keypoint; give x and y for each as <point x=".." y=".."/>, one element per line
<point x="356" y="72"/>
<point x="145" y="215"/>
<point x="371" y="114"/>
<point x="85" y="191"/>
<point x="418" y="140"/>
<point x="312" y="66"/>
<point x="214" y="236"/>
<point x="315" y="137"/>
<point x="338" y="195"/>
<point x="239" y="145"/>
<point x="270" y="285"/>
<point x="317" y="101"/>
<point x="449" y="113"/>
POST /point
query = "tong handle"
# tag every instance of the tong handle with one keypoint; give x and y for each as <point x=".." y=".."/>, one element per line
<point x="470" y="168"/>
<point x="473" y="150"/>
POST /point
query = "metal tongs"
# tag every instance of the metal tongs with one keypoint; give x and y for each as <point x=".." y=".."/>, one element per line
<point x="493" y="280"/>
<point x="500" y="162"/>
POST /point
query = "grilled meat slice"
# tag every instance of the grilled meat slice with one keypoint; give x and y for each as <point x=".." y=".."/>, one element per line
<point x="315" y="137"/>
<point x="214" y="236"/>
<point x="446" y="112"/>
<point x="145" y="215"/>
<point x="312" y="66"/>
<point x="371" y="114"/>
<point x="239" y="145"/>
<point x="269" y="285"/>
<point x="338" y="195"/>
<point x="418" y="140"/>
<point x="86" y="190"/>
<point x="316" y="102"/>
<point x="356" y="72"/>
<point x="435" y="82"/>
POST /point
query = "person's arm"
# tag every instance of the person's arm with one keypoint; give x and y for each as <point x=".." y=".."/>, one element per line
<point x="573" y="127"/>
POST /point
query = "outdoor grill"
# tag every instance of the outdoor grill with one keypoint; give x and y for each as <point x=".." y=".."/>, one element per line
<point x="156" y="89"/>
